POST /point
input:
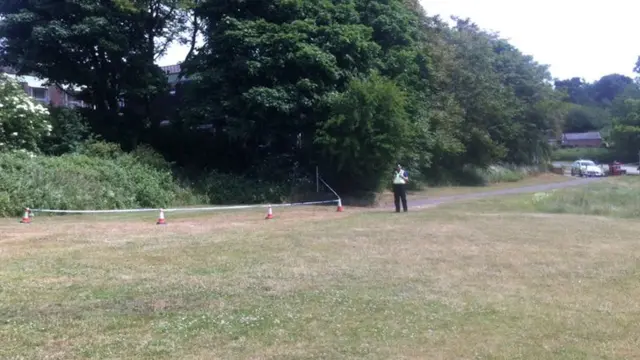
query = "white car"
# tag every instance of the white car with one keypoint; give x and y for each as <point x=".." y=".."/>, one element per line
<point x="586" y="168"/>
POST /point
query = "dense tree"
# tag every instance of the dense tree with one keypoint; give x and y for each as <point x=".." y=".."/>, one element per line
<point x="608" y="87"/>
<point x="625" y="110"/>
<point x="592" y="102"/>
<point x="24" y="123"/>
<point x="367" y="130"/>
<point x="503" y="102"/>
<point x="107" y="47"/>
<point x="626" y="129"/>
<point x="268" y="73"/>
<point x="600" y="93"/>
<point x="282" y="86"/>
<point x="406" y="59"/>
<point x="618" y="109"/>
<point x="577" y="90"/>
<point x="584" y="118"/>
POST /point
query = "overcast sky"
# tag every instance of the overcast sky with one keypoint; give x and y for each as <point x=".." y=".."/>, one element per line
<point x="587" y="39"/>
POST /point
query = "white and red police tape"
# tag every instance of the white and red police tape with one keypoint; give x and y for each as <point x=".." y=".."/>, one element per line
<point x="29" y="212"/>
<point x="210" y="208"/>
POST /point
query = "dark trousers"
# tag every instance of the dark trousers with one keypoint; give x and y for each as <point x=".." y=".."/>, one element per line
<point x="400" y="193"/>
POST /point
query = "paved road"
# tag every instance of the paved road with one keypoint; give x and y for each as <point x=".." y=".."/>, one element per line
<point x="632" y="169"/>
<point x="479" y="195"/>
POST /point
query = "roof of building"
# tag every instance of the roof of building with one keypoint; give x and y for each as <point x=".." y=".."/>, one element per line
<point x="31" y="81"/>
<point x="173" y="72"/>
<point x="34" y="81"/>
<point x="7" y="70"/>
<point x="591" y="135"/>
<point x="171" y="69"/>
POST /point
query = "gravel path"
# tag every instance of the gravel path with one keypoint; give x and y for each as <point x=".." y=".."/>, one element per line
<point x="419" y="203"/>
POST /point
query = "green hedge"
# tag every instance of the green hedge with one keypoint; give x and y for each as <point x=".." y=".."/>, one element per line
<point x="230" y="189"/>
<point x="601" y="155"/>
<point x="101" y="176"/>
<point x="81" y="182"/>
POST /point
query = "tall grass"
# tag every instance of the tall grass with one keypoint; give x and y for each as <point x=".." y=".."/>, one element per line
<point x="618" y="197"/>
<point x="499" y="174"/>
<point x="476" y="176"/>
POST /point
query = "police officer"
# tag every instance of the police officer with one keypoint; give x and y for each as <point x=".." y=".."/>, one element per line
<point x="400" y="179"/>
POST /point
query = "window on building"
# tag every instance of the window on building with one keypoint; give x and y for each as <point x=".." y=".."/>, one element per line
<point x="40" y="94"/>
<point x="72" y="101"/>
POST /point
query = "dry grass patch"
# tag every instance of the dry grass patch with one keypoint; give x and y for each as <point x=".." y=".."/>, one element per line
<point x="439" y="284"/>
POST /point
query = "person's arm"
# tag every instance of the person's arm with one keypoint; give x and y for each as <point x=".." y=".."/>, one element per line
<point x="405" y="175"/>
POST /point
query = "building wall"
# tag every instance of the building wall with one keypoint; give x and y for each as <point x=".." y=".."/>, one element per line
<point x="56" y="97"/>
<point x="47" y="95"/>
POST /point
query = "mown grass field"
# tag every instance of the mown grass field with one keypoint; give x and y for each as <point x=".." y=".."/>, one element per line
<point x="507" y="278"/>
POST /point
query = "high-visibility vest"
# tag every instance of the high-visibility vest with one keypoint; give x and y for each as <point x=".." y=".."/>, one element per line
<point x="397" y="179"/>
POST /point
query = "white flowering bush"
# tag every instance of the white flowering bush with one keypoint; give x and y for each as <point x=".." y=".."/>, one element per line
<point x="24" y="122"/>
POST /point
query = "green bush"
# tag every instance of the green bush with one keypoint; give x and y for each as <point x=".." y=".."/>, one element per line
<point x="373" y="112"/>
<point x="69" y="131"/>
<point x="601" y="155"/>
<point x="102" y="176"/>
<point x="80" y="182"/>
<point x="143" y="154"/>
<point x="24" y="123"/>
<point x="101" y="149"/>
<point x="147" y="155"/>
<point x="230" y="189"/>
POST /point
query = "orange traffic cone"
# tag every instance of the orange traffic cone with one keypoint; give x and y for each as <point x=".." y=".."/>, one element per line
<point x="269" y="213"/>
<point x="340" y="208"/>
<point x="26" y="219"/>
<point x="161" y="220"/>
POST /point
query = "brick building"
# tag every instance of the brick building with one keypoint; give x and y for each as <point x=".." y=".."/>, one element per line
<point x="53" y="95"/>
<point x="43" y="93"/>
<point x="167" y="105"/>
<point x="586" y="139"/>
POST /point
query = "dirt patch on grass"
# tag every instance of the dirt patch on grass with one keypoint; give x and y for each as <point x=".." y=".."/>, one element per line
<point x="62" y="231"/>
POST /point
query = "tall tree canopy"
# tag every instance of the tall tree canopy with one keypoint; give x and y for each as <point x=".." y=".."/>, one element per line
<point x="591" y="102"/>
<point x="279" y="87"/>
<point x="107" y="47"/>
